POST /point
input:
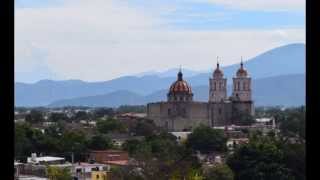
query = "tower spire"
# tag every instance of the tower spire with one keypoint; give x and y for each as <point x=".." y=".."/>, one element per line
<point x="241" y="64"/>
<point x="180" y="74"/>
<point x="217" y="62"/>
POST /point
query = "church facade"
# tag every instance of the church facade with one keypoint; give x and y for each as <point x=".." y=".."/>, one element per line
<point x="180" y="112"/>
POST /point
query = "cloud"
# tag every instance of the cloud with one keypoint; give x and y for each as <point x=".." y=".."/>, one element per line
<point x="264" y="5"/>
<point x="99" y="40"/>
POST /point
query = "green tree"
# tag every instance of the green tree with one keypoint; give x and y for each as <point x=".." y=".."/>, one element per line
<point x="206" y="139"/>
<point x="81" y="115"/>
<point x="144" y="127"/>
<point x="295" y="159"/>
<point x="57" y="173"/>
<point x="219" y="172"/>
<point x="75" y="142"/>
<point x="110" y="125"/>
<point x="23" y="145"/>
<point x="293" y="123"/>
<point x="261" y="158"/>
<point x="102" y="112"/>
<point x="100" y="142"/>
<point x="35" y="116"/>
<point x="55" y="117"/>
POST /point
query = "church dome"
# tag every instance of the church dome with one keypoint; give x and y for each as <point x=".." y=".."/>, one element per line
<point x="217" y="72"/>
<point x="241" y="71"/>
<point x="180" y="86"/>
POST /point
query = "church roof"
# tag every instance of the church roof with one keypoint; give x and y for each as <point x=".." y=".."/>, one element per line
<point x="241" y="71"/>
<point x="180" y="85"/>
<point x="217" y="72"/>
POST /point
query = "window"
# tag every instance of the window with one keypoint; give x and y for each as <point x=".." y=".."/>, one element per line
<point x="219" y="111"/>
<point x="214" y="86"/>
<point x="97" y="176"/>
<point x="169" y="111"/>
<point x="181" y="98"/>
<point x="238" y="85"/>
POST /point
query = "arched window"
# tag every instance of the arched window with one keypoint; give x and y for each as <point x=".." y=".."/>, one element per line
<point x="238" y="85"/>
<point x="214" y="86"/>
<point x="220" y="85"/>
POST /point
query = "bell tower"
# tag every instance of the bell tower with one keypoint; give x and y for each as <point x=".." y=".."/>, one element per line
<point x="218" y="86"/>
<point x="241" y="85"/>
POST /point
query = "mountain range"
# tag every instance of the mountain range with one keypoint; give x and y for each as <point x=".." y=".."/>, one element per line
<point x="278" y="79"/>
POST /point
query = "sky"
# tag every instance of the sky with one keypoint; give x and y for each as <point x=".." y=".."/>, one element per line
<point x="99" y="40"/>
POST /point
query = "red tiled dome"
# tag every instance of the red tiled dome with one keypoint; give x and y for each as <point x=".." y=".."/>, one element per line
<point x="180" y="86"/>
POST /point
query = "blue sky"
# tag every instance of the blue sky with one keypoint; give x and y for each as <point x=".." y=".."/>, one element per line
<point x="102" y="37"/>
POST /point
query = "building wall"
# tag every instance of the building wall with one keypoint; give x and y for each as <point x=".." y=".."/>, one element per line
<point x="242" y="88"/>
<point x="218" y="89"/>
<point x="220" y="113"/>
<point x="246" y="107"/>
<point x="100" y="175"/>
<point x="102" y="156"/>
<point x="185" y="116"/>
<point x="178" y="115"/>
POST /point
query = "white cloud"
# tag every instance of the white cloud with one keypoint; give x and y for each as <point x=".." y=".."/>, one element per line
<point x="100" y="40"/>
<point x="264" y="5"/>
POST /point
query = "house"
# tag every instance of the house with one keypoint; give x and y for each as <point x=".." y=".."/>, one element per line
<point x="45" y="160"/>
<point x="181" y="136"/>
<point x="84" y="170"/>
<point x="110" y="157"/>
<point x="119" y="138"/>
<point x="100" y="175"/>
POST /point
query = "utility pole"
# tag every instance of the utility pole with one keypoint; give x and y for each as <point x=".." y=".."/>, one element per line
<point x="72" y="157"/>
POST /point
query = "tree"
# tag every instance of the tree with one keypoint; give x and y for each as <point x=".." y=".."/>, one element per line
<point x="144" y="127"/>
<point x="81" y="115"/>
<point x="206" y="139"/>
<point x="102" y="112"/>
<point x="244" y="119"/>
<point x="55" y="117"/>
<point x="57" y="173"/>
<point x="261" y="158"/>
<point x="136" y="109"/>
<point x="35" y="116"/>
<point x="100" y="142"/>
<point x="219" y="172"/>
<point x="75" y="142"/>
<point x="110" y="125"/>
<point x="295" y="159"/>
<point x="22" y="144"/>
<point x="293" y="123"/>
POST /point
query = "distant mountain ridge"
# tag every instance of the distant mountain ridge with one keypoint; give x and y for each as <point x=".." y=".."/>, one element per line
<point x="284" y="60"/>
<point x="287" y="90"/>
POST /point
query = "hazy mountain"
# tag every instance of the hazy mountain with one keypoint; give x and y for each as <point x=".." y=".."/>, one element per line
<point x="287" y="90"/>
<point x="283" y="60"/>
<point x="113" y="99"/>
<point x="171" y="73"/>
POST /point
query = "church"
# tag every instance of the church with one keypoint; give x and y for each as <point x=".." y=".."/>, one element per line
<point x="181" y="113"/>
